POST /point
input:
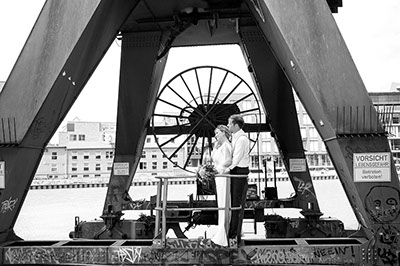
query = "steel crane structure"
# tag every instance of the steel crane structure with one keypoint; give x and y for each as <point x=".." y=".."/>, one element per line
<point x="288" y="45"/>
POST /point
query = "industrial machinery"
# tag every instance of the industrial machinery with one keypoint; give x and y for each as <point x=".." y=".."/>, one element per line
<point x="288" y="45"/>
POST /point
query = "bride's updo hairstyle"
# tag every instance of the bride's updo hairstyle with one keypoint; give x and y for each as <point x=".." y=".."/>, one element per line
<point x="226" y="131"/>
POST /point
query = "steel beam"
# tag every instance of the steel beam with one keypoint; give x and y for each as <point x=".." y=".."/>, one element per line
<point x="140" y="78"/>
<point x="66" y="44"/>
<point x="277" y="96"/>
<point x="307" y="43"/>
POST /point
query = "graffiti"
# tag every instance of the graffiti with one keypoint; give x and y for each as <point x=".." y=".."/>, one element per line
<point x="216" y="256"/>
<point x="130" y="255"/>
<point x="8" y="205"/>
<point x="209" y="256"/>
<point x="137" y="204"/>
<point x="295" y="224"/>
<point x="330" y="251"/>
<point x="154" y="256"/>
<point x="343" y="255"/>
<point x="351" y="151"/>
<point x="389" y="235"/>
<point x="276" y="256"/>
<point x="39" y="127"/>
<point x="303" y="186"/>
<point x="41" y="255"/>
<point x="31" y="255"/>
<point x="177" y="256"/>
<point x="190" y="243"/>
<point x="382" y="203"/>
<point x="387" y="255"/>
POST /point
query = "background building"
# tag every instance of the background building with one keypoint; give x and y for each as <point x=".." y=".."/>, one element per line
<point x="85" y="151"/>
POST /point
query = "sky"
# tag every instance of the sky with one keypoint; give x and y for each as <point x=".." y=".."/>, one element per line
<point x="370" y="29"/>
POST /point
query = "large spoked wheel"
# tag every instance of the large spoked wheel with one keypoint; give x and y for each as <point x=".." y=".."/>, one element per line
<point x="190" y="106"/>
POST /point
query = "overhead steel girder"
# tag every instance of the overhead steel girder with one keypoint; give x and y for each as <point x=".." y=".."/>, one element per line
<point x="140" y="78"/>
<point x="66" y="44"/>
<point x="277" y="96"/>
<point x="307" y="43"/>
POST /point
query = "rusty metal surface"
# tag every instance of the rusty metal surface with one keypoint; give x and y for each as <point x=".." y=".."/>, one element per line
<point x="65" y="46"/>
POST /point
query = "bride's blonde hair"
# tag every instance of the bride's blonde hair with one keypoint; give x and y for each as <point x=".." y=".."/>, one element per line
<point x="226" y="131"/>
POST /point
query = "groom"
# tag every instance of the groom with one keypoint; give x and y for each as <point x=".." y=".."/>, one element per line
<point x="240" y="166"/>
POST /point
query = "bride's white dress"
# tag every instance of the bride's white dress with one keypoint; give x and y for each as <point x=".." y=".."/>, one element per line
<point x="222" y="158"/>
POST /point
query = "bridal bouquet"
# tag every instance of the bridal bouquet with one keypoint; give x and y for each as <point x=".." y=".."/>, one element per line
<point x="206" y="180"/>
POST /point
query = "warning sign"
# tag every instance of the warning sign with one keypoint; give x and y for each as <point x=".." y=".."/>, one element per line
<point x="297" y="165"/>
<point x="2" y="175"/>
<point x="371" y="167"/>
<point x="121" y="168"/>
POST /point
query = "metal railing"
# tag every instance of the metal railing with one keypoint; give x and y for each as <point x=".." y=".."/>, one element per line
<point x="162" y="190"/>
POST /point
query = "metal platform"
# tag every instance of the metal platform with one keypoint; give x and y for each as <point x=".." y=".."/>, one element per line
<point x="332" y="251"/>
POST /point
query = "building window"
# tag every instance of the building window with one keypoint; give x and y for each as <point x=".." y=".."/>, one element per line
<point x="74" y="176"/>
<point x="109" y="154"/>
<point x="54" y="155"/>
<point x="306" y="120"/>
<point x="254" y="161"/>
<point x="74" y="167"/>
<point x="98" y="155"/>
<point x="98" y="168"/>
<point x="86" y="156"/>
<point x="165" y="165"/>
<point x="313" y="145"/>
<point x="72" y="137"/>
<point x="54" y="167"/>
<point x="85" y="175"/>
<point x="312" y="160"/>
<point x="303" y="132"/>
<point x="142" y="165"/>
<point x="154" y="156"/>
<point x="396" y="119"/>
<point x="268" y="146"/>
<point x="148" y="140"/>
<point x="86" y="167"/>
<point x="154" y="165"/>
<point x="109" y="167"/>
<point x="74" y="156"/>
<point x="70" y="127"/>
<point x="323" y="148"/>
<point x="81" y="137"/>
<point x="313" y="132"/>
<point x="143" y="154"/>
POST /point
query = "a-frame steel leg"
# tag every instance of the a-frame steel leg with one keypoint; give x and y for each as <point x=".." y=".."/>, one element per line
<point x="277" y="96"/>
<point x="308" y="45"/>
<point x="140" y="78"/>
<point x="66" y="44"/>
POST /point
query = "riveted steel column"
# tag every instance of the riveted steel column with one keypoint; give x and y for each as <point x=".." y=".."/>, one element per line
<point x="140" y="78"/>
<point x="277" y="97"/>
<point x="66" y="44"/>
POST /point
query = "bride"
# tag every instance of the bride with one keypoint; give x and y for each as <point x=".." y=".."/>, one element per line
<point x="222" y="158"/>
